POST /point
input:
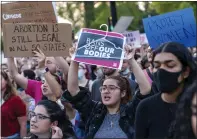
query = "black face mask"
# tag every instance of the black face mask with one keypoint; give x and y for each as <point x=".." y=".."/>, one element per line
<point x="166" y="81"/>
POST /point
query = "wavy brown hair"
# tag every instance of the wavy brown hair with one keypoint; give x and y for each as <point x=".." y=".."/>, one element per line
<point x="10" y="90"/>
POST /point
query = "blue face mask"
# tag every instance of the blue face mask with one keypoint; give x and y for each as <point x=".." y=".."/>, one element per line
<point x="80" y="74"/>
<point x="125" y="72"/>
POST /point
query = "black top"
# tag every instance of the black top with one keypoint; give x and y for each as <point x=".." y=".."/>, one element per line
<point x="154" y="118"/>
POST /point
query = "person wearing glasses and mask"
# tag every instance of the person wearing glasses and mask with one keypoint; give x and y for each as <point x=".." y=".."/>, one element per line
<point x="114" y="116"/>
<point x="50" y="122"/>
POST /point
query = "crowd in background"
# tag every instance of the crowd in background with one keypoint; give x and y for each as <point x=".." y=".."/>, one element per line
<point x="152" y="96"/>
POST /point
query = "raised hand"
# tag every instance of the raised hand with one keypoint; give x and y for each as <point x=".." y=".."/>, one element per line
<point x="129" y="52"/>
<point x="40" y="58"/>
<point x="72" y="51"/>
<point x="20" y="62"/>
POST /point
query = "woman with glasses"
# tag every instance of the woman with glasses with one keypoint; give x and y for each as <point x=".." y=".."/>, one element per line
<point x="114" y="117"/>
<point x="13" y="110"/>
<point x="49" y="121"/>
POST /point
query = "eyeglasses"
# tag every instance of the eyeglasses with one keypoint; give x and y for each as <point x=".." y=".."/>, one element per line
<point x="110" y="88"/>
<point x="39" y="117"/>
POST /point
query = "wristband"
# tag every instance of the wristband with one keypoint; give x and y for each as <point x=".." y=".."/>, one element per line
<point x="45" y="70"/>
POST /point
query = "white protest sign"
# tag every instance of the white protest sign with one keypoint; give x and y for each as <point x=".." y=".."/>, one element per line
<point x="132" y="38"/>
<point x="143" y="39"/>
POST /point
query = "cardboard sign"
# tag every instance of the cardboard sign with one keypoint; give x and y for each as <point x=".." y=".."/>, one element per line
<point x="178" y="26"/>
<point x="143" y="39"/>
<point x="123" y="23"/>
<point x="28" y="12"/>
<point x="21" y="39"/>
<point x="133" y="38"/>
<point x="100" y="48"/>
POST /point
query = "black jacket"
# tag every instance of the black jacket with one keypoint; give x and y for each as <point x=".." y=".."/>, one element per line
<point x="93" y="113"/>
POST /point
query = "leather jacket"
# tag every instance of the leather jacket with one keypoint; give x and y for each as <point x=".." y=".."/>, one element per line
<point x="93" y="113"/>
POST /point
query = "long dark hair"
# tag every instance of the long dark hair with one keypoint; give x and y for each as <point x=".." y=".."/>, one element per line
<point x="124" y="85"/>
<point x="10" y="90"/>
<point x="184" y="56"/>
<point x="56" y="114"/>
<point x="182" y="128"/>
<point x="30" y="74"/>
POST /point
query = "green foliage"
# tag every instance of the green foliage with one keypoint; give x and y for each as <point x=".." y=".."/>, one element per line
<point x="96" y="16"/>
<point x="164" y="7"/>
<point x="68" y="10"/>
<point x="89" y="13"/>
<point x="102" y="12"/>
<point x="130" y="9"/>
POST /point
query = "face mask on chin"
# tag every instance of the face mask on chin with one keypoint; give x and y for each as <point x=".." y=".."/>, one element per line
<point x="125" y="72"/>
<point x="166" y="81"/>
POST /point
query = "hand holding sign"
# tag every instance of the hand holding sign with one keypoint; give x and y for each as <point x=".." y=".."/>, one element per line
<point x="21" y="39"/>
<point x="100" y="48"/>
<point x="72" y="51"/>
<point x="40" y="58"/>
<point x="19" y="62"/>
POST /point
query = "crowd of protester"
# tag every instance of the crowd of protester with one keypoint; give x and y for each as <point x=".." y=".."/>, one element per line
<point x="153" y="96"/>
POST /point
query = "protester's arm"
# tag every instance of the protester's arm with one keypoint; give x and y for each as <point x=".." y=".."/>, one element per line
<point x="81" y="102"/>
<point x="72" y="83"/>
<point x="23" y="126"/>
<point x="78" y="97"/>
<point x="144" y="86"/>
<point x="142" y="81"/>
<point x="53" y="84"/>
<point x="18" y="78"/>
<point x="62" y="63"/>
<point x="73" y="86"/>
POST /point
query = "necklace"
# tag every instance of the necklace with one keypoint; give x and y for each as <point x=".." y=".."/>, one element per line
<point x="111" y="124"/>
<point x="112" y="119"/>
